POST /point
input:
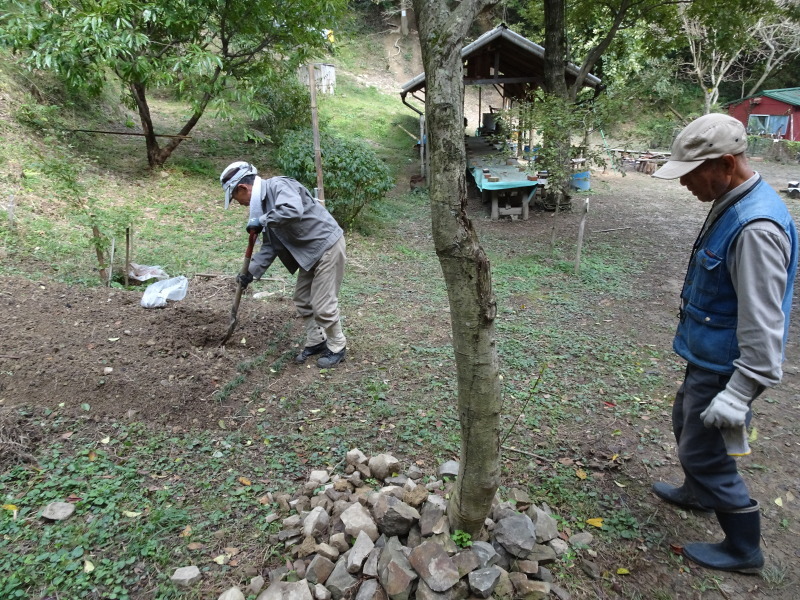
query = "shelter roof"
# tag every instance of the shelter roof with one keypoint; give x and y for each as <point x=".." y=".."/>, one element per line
<point x="788" y="95"/>
<point x="503" y="58"/>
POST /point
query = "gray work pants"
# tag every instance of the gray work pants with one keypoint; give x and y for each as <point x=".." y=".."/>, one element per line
<point x="316" y="293"/>
<point x="710" y="473"/>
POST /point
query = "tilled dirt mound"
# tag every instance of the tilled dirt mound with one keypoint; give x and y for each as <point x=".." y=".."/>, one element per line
<point x="100" y="347"/>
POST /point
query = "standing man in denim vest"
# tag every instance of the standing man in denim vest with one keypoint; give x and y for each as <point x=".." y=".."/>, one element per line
<point x="734" y="322"/>
<point x="299" y="231"/>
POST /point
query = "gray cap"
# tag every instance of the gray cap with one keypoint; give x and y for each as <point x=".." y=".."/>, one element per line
<point x="232" y="175"/>
<point x="710" y="136"/>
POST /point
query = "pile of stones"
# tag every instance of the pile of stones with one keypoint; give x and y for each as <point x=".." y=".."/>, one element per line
<point x="349" y="540"/>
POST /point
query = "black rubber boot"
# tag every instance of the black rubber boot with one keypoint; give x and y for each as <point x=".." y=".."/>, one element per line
<point x="740" y="551"/>
<point x="679" y="496"/>
<point x="331" y="359"/>
<point x="310" y="351"/>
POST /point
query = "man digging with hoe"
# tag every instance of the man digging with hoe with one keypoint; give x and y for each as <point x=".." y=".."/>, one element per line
<point x="299" y="231"/>
<point x="734" y="322"/>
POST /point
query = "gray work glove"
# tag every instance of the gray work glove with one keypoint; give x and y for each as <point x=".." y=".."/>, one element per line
<point x="727" y="409"/>
<point x="244" y="279"/>
<point x="254" y="225"/>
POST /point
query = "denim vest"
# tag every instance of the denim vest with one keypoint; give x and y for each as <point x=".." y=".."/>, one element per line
<point x="706" y="335"/>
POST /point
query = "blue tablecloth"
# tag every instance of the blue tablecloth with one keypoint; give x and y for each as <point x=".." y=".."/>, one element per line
<point x="510" y="177"/>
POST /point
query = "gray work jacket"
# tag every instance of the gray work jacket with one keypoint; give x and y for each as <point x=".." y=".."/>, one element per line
<point x="297" y="229"/>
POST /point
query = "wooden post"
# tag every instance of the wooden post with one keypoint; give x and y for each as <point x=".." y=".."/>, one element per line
<point x="403" y="17"/>
<point x="128" y="240"/>
<point x="422" y="152"/>
<point x="10" y="209"/>
<point x="480" y="116"/>
<point x="100" y="258"/>
<point x="555" y="220"/>
<point x="312" y="85"/>
<point x="581" y="229"/>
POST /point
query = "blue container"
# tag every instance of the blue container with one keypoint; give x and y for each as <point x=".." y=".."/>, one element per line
<point x="580" y="181"/>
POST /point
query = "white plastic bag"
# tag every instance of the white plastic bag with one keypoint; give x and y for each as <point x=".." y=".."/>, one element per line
<point x="145" y="272"/>
<point x="156" y="294"/>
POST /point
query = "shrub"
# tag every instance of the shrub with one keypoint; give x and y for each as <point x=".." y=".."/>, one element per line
<point x="289" y="108"/>
<point x="353" y="175"/>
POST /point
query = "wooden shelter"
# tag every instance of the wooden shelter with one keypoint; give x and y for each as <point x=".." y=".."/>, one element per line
<point x="509" y="62"/>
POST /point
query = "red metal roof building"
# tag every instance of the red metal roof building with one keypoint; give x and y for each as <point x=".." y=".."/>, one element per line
<point x="773" y="113"/>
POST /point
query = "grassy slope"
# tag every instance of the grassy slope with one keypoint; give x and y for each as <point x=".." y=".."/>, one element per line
<point x="408" y="391"/>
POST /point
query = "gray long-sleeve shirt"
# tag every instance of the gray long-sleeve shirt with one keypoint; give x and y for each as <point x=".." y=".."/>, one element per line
<point x="758" y="260"/>
<point x="297" y="228"/>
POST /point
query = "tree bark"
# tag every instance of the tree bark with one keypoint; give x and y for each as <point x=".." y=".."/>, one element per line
<point x="555" y="83"/>
<point x="464" y="264"/>
<point x="157" y="156"/>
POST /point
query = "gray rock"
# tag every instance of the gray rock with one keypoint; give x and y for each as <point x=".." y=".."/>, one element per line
<point x="503" y="510"/>
<point x="397" y="480"/>
<point x="431" y="513"/>
<point x="185" y="576"/>
<point x="582" y="539"/>
<point x="383" y="466"/>
<point x="504" y="590"/>
<point x="321" y="592"/>
<point x="544" y="574"/>
<point x="395" y="572"/>
<point x="339" y="541"/>
<point x="560" y="592"/>
<point x="370" y="568"/>
<point x="504" y="557"/>
<point x="292" y="522"/>
<point x="319" y="569"/>
<point x="487" y="555"/>
<point x="415" y="473"/>
<point x="544" y="555"/>
<point x="256" y="584"/>
<point x="359" y="552"/>
<point x="414" y="536"/>
<point x="545" y="525"/>
<point x="559" y="546"/>
<point x="340" y="582"/>
<point x="520" y="498"/>
<point x="483" y="581"/>
<point x="530" y="590"/>
<point x="356" y="519"/>
<point x="434" y="566"/>
<point x="516" y="534"/>
<point x="590" y="568"/>
<point x="319" y="477"/>
<point x="355" y="457"/>
<point x="460" y="591"/>
<point x="393" y="516"/>
<point x="328" y="551"/>
<point x="449" y="469"/>
<point x="434" y="485"/>
<point x="316" y="523"/>
<point x="466" y="561"/>
<point x="529" y="567"/>
<point x="232" y="594"/>
<point x="287" y="590"/>
<point x="446" y="542"/>
<point x="58" y="511"/>
<point x="370" y="590"/>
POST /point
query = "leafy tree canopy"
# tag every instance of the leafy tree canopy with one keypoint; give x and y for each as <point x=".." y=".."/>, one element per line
<point x="206" y="50"/>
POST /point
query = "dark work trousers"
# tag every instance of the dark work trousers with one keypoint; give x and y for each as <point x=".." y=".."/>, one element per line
<point x="710" y="473"/>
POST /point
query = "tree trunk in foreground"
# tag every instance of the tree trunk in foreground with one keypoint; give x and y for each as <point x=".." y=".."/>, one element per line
<point x="464" y="264"/>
